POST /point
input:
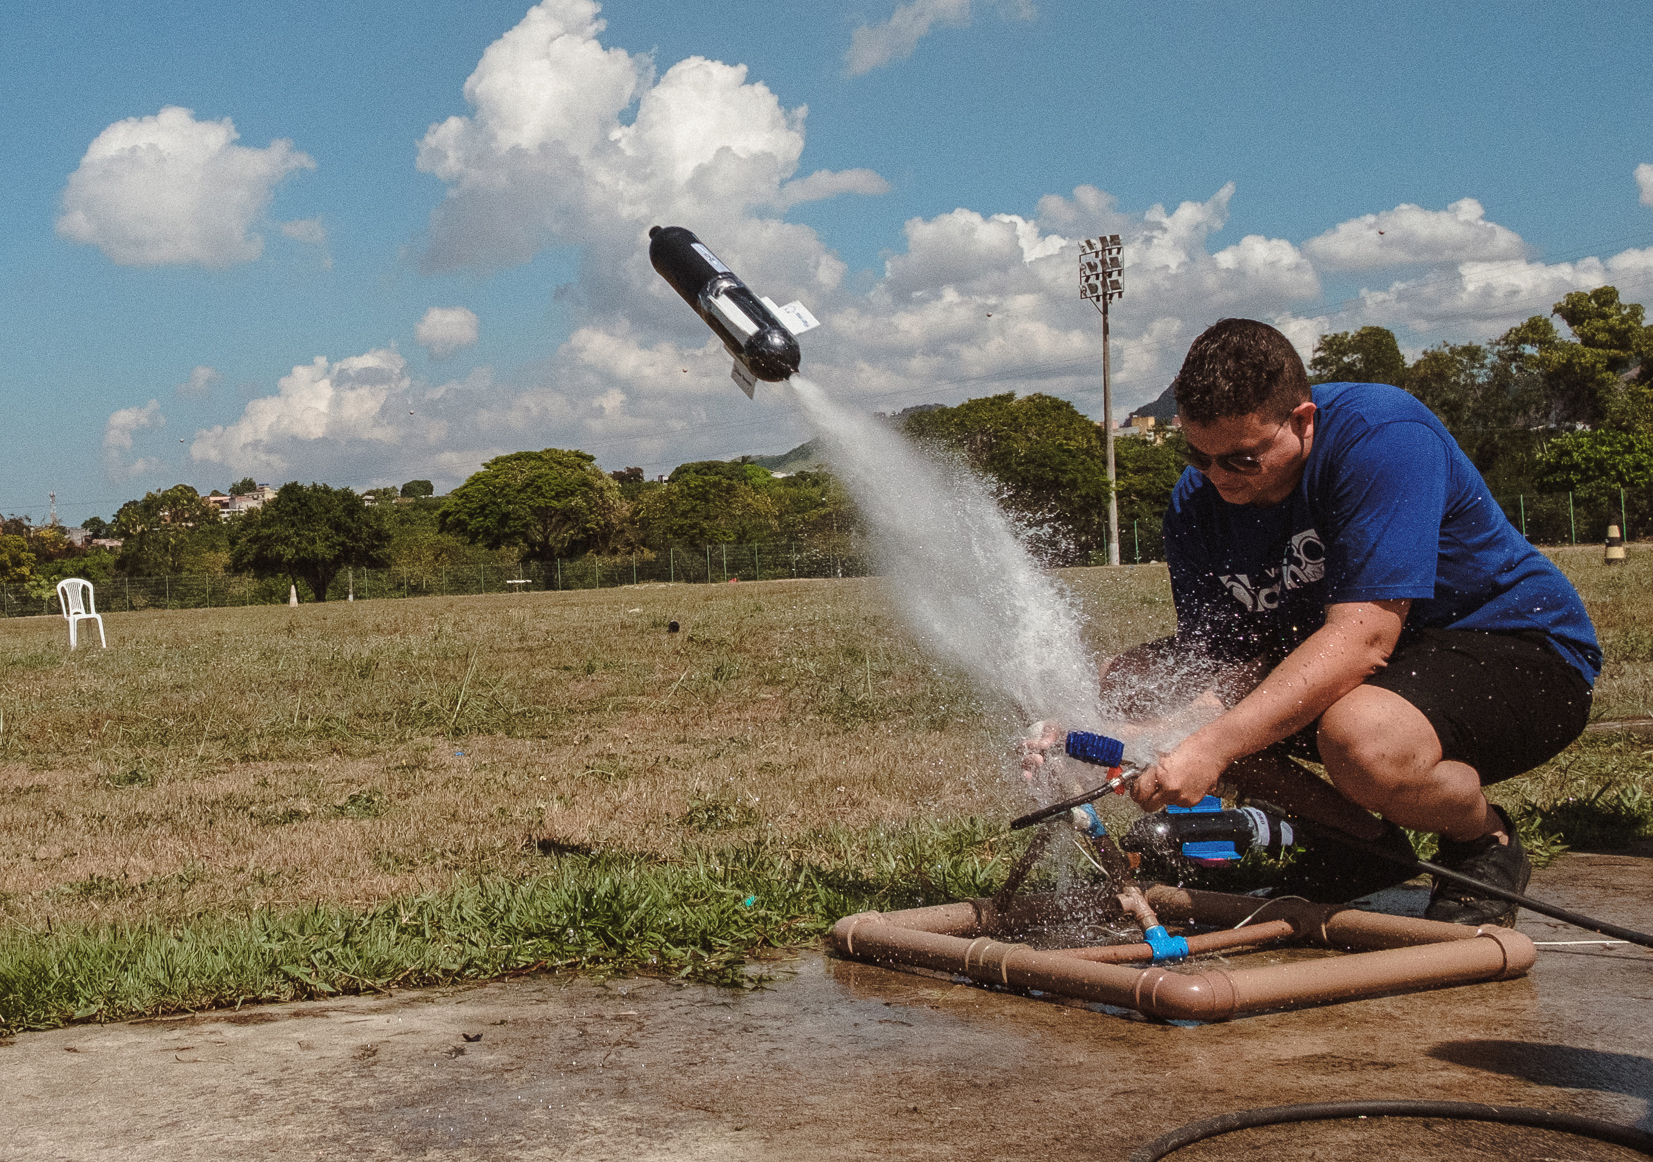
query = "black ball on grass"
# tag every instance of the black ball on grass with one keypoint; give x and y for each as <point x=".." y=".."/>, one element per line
<point x="671" y="627"/>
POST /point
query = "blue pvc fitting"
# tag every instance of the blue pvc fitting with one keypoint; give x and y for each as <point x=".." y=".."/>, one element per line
<point x="1094" y="827"/>
<point x="1166" y="947"/>
<point x="1095" y="748"/>
<point x="1206" y="806"/>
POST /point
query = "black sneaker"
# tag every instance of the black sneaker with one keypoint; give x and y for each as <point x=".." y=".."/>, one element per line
<point x="1328" y="871"/>
<point x="1503" y="865"/>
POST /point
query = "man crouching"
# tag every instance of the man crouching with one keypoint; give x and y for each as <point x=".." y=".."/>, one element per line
<point x="1410" y="639"/>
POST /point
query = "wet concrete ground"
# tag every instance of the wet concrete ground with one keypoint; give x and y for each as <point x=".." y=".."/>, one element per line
<point x="839" y="1060"/>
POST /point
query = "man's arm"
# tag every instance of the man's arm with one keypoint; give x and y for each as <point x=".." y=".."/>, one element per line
<point x="1354" y="643"/>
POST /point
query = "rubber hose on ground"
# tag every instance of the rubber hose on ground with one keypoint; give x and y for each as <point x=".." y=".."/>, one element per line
<point x="1627" y="1136"/>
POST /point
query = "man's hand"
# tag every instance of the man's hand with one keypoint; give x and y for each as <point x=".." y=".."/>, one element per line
<point x="1184" y="776"/>
<point x="1040" y="739"/>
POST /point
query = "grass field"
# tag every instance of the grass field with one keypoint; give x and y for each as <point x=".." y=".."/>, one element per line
<point x="216" y="776"/>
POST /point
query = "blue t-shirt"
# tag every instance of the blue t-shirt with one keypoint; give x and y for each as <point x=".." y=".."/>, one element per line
<point x="1389" y="507"/>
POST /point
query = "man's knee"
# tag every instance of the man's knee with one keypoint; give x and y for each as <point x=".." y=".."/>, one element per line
<point x="1375" y="738"/>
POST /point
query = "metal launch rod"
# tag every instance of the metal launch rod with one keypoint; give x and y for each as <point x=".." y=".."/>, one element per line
<point x="1117" y="783"/>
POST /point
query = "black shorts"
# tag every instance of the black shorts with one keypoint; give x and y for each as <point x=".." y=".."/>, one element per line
<point x="1502" y="703"/>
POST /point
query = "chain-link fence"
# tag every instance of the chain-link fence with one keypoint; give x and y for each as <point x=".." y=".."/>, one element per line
<point x="708" y="564"/>
<point x="1544" y="518"/>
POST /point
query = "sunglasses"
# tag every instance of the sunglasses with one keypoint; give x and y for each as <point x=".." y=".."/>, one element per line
<point x="1248" y="464"/>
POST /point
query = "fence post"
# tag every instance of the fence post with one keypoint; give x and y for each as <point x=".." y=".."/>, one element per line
<point x="757" y="569"/>
<point x="1572" y="521"/>
<point x="634" y="568"/>
<point x="708" y="564"/>
<point x="671" y="560"/>
<point x="597" y="571"/>
<point x="1624" y="519"/>
<point x="1521" y="499"/>
<point x="559" y="573"/>
<point x="1136" y="541"/>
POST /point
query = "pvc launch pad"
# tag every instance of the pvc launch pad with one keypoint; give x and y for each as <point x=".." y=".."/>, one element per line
<point x="1377" y="954"/>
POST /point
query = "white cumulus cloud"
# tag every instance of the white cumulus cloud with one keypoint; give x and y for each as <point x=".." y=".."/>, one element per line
<point x="549" y="156"/>
<point x="444" y="331"/>
<point x="118" y="440"/>
<point x="873" y="46"/>
<point x="1410" y="235"/>
<point x="168" y="189"/>
<point x="359" y="400"/>
<point x="1644" y="182"/>
<point x="202" y="379"/>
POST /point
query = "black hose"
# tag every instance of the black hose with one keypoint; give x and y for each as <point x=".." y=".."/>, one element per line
<point x="1414" y="864"/>
<point x="1626" y="1136"/>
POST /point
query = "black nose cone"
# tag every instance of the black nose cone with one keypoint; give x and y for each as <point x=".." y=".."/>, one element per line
<point x="772" y="354"/>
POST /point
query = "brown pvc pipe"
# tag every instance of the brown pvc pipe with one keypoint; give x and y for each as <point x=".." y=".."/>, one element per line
<point x="1328" y="925"/>
<point x="1200" y="943"/>
<point x="1459" y="956"/>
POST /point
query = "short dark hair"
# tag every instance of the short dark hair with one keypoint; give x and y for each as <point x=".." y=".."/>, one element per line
<point x="1238" y="367"/>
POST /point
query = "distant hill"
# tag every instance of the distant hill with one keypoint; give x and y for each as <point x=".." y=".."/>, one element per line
<point x="801" y="458"/>
<point x="1162" y="409"/>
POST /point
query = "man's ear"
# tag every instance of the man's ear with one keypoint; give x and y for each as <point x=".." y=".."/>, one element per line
<point x="1302" y="417"/>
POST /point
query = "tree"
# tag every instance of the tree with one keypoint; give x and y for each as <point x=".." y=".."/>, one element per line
<point x="1047" y="458"/>
<point x="1600" y="322"/>
<point x="814" y="506"/>
<point x="244" y="487"/>
<point x="418" y="488"/>
<point x="309" y="532"/>
<point x="1596" y="462"/>
<point x="706" y="508"/>
<point x="553" y="503"/>
<point x="1369" y="355"/>
<point x="166" y="532"/>
<point x="16" y="562"/>
<point x="1630" y="409"/>
<point x="96" y="527"/>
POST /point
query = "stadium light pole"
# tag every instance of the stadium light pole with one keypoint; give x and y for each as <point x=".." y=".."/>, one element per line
<point x="1099" y="281"/>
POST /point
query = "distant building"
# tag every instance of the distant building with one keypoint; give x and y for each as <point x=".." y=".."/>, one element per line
<point x="227" y="505"/>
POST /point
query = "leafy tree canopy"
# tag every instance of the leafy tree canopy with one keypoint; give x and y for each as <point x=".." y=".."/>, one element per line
<point x="1451" y="380"/>
<point x="1046" y="456"/>
<point x="553" y="503"/>
<point x="244" y="487"/>
<point x="1600" y="322"/>
<point x="16" y="562"/>
<point x="309" y="533"/>
<point x="736" y="470"/>
<point x="706" y="508"/>
<point x="1596" y="462"/>
<point x="416" y="488"/>
<point x="167" y="532"/>
<point x="1369" y="355"/>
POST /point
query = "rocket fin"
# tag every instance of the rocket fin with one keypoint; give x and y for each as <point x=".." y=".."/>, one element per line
<point x="795" y="317"/>
<point x="745" y="378"/>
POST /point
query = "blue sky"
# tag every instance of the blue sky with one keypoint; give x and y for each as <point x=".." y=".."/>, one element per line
<point x="181" y="306"/>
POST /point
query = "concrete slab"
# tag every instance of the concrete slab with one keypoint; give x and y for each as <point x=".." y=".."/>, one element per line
<point x="839" y="1060"/>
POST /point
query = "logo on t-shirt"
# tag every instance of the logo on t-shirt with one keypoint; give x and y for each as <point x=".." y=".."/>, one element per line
<point x="1304" y="563"/>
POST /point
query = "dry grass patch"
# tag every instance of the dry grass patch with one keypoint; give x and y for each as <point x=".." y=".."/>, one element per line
<point x="238" y="760"/>
<point x="266" y="757"/>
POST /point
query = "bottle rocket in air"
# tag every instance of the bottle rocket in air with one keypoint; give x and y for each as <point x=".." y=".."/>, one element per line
<point x="757" y="333"/>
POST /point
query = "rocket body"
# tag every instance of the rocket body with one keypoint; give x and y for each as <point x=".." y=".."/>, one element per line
<point x="757" y="333"/>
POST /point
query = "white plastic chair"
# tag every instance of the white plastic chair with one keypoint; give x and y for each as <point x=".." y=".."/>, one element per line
<point x="74" y="595"/>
